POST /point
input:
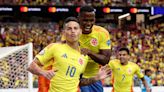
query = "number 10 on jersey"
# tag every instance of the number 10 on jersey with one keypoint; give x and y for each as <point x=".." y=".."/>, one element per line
<point x="71" y="71"/>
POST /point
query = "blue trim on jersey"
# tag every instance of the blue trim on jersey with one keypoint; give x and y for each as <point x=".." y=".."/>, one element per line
<point x="95" y="87"/>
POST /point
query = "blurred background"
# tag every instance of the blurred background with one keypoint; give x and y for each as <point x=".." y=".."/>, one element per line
<point x="137" y="24"/>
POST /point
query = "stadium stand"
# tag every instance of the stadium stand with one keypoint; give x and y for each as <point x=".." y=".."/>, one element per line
<point x="82" y="2"/>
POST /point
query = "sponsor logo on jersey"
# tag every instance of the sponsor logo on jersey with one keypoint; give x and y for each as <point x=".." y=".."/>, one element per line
<point x="94" y="42"/>
<point x="81" y="61"/>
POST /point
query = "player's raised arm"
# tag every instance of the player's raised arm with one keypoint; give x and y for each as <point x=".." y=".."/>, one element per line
<point x="104" y="72"/>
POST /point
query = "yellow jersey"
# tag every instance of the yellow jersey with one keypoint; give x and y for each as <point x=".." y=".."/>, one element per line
<point x="98" y="39"/>
<point x="48" y="65"/>
<point x="123" y="75"/>
<point x="69" y="63"/>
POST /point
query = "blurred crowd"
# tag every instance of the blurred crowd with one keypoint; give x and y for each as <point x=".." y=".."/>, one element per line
<point x="84" y="2"/>
<point x="40" y="34"/>
<point x="146" y="44"/>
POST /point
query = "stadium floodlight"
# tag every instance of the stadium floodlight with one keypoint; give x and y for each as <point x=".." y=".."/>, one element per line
<point x="123" y="16"/>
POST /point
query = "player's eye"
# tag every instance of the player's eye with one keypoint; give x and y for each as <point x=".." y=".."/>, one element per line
<point x="69" y="28"/>
<point x="75" y="28"/>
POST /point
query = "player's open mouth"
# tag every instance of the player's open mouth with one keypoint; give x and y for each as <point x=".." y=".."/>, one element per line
<point x="87" y="28"/>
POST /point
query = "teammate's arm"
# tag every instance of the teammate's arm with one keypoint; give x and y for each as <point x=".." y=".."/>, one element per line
<point x="88" y="81"/>
<point x="104" y="72"/>
<point x="145" y="84"/>
<point x="102" y="57"/>
<point x="35" y="68"/>
<point x="104" y="48"/>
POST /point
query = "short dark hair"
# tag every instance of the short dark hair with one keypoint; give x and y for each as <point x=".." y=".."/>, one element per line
<point x="124" y="49"/>
<point x="86" y="8"/>
<point x="147" y="70"/>
<point x="70" y="19"/>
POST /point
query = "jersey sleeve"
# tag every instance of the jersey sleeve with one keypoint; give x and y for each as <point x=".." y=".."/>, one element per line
<point x="111" y="64"/>
<point x="105" y="39"/>
<point x="46" y="54"/>
<point x="139" y="72"/>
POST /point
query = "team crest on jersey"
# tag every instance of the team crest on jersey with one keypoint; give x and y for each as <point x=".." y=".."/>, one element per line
<point x="81" y="61"/>
<point x="94" y="42"/>
<point x="129" y="71"/>
<point x="42" y="52"/>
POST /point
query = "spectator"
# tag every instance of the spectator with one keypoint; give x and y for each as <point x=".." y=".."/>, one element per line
<point x="148" y="79"/>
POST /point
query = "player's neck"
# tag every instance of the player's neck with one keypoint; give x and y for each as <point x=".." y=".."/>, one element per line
<point x="125" y="63"/>
<point x="74" y="45"/>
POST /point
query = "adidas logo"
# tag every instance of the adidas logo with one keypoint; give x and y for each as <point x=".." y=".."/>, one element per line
<point x="64" y="55"/>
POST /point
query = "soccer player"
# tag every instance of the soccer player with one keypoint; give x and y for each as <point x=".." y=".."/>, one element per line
<point x="95" y="42"/>
<point x="123" y="72"/>
<point x="68" y="64"/>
